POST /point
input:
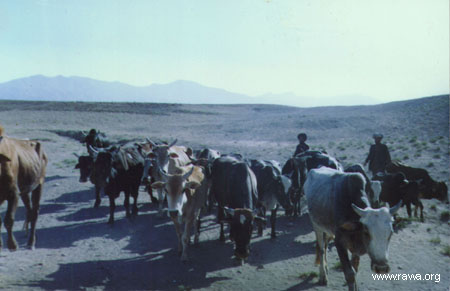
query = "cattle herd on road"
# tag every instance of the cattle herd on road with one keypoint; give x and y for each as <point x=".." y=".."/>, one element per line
<point x="343" y="204"/>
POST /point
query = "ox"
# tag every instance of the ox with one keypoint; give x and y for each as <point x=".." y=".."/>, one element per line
<point x="428" y="187"/>
<point x="118" y="170"/>
<point x="22" y="170"/>
<point x="338" y="207"/>
<point x="235" y="190"/>
<point x="186" y="194"/>
<point x="395" y="188"/>
<point x="205" y="158"/>
<point x="301" y="165"/>
<point x="161" y="153"/>
<point x="272" y="189"/>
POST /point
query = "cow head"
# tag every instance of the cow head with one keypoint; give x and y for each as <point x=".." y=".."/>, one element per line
<point x="241" y="228"/>
<point x="176" y="185"/>
<point x="103" y="168"/>
<point x="85" y="164"/>
<point x="441" y="191"/>
<point x="374" y="231"/>
<point x="161" y="154"/>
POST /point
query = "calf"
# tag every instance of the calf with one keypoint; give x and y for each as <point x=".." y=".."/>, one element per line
<point x="22" y="170"/>
<point x="339" y="208"/>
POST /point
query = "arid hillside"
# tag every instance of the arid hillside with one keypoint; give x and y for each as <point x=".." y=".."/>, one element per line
<point x="77" y="250"/>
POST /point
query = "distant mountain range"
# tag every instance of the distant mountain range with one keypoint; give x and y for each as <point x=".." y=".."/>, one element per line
<point x="60" y="88"/>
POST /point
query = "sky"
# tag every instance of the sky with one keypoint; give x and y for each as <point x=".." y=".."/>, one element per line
<point x="382" y="50"/>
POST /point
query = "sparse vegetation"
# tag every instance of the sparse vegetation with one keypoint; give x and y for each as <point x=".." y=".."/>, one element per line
<point x="445" y="216"/>
<point x="337" y="266"/>
<point x="446" y="250"/>
<point x="436" y="240"/>
<point x="308" y="275"/>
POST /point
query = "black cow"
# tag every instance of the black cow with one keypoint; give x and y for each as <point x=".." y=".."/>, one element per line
<point x="205" y="159"/>
<point x="428" y="187"/>
<point x="234" y="188"/>
<point x="395" y="188"/>
<point x="119" y="170"/>
<point x="272" y="189"/>
<point x="358" y="168"/>
<point x="299" y="166"/>
<point x="85" y="164"/>
<point x="338" y="207"/>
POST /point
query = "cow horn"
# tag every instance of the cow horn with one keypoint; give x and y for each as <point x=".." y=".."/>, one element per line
<point x="92" y="151"/>
<point x="394" y="209"/>
<point x="230" y="211"/>
<point x="1" y="137"/>
<point x="152" y="143"/>
<point x="165" y="175"/>
<point x="361" y="212"/>
<point x="75" y="154"/>
<point x="188" y="174"/>
<point x="173" y="143"/>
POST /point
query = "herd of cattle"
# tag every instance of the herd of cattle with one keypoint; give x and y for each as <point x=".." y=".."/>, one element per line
<point x="343" y="204"/>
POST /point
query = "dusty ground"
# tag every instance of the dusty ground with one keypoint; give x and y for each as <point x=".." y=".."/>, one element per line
<point x="77" y="250"/>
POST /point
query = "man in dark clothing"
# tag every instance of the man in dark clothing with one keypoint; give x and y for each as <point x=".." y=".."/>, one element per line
<point x="378" y="156"/>
<point x="302" y="146"/>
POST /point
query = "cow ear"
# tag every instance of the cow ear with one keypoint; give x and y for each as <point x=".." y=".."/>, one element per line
<point x="151" y="155"/>
<point x="4" y="158"/>
<point x="350" y="226"/>
<point x="158" y="185"/>
<point x="77" y="166"/>
<point x="192" y="185"/>
<point x="173" y="155"/>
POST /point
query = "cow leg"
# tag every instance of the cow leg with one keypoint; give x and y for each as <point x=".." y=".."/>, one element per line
<point x="112" y="208"/>
<point x="35" y="200"/>
<point x="421" y="210"/>
<point x="355" y="262"/>
<point x="408" y="209"/>
<point x="186" y="237"/>
<point x="135" y="194"/>
<point x="126" y="204"/>
<point x="179" y="234"/>
<point x="273" y="218"/>
<point x="349" y="272"/>
<point x="160" y="203"/>
<point x="320" y="254"/>
<point x="221" y="217"/>
<point x="260" y="224"/>
<point x="97" y="196"/>
<point x="9" y="221"/>
<point x="197" y="228"/>
<point x="26" y="202"/>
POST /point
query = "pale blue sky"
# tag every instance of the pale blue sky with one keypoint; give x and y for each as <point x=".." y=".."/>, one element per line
<point x="384" y="49"/>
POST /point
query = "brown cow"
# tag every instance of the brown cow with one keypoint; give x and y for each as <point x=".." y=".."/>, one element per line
<point x="186" y="194"/>
<point x="22" y="170"/>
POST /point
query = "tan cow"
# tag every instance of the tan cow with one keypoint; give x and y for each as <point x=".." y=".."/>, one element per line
<point x="186" y="194"/>
<point x="22" y="170"/>
<point x="167" y="158"/>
